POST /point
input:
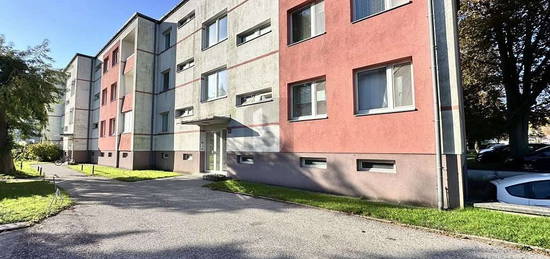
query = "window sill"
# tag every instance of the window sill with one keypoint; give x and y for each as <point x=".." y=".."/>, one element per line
<point x="379" y="13"/>
<point x="214" y="99"/>
<point x="304" y="40"/>
<point x="309" y="118"/>
<point x="249" y="104"/>
<point x="215" y="44"/>
<point x="385" y="111"/>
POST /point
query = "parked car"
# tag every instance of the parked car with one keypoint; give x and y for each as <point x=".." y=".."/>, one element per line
<point x="538" y="160"/>
<point x="529" y="189"/>
<point x="499" y="153"/>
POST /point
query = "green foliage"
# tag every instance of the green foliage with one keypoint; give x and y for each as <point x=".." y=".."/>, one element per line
<point x="28" y="87"/>
<point x="43" y="152"/>
<point x="515" y="228"/>
<point x="506" y="67"/>
<point x="123" y="174"/>
<point x="29" y="201"/>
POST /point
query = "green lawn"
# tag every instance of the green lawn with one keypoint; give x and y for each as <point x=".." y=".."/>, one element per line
<point x="123" y="174"/>
<point x="510" y="227"/>
<point x="29" y="201"/>
<point x="27" y="171"/>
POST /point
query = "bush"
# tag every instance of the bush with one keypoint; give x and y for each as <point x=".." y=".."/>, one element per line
<point x="44" y="152"/>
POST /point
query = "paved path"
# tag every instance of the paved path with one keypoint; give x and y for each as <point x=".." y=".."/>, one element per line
<point x="178" y="218"/>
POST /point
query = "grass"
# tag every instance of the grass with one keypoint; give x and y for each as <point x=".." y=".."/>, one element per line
<point x="123" y="174"/>
<point x="521" y="229"/>
<point x="29" y="201"/>
<point x="26" y="171"/>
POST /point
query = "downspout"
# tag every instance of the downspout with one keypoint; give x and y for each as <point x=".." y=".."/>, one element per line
<point x="152" y="155"/>
<point x="437" y="106"/>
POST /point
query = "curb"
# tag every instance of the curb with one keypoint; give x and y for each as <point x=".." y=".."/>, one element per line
<point x="14" y="226"/>
<point x="487" y="240"/>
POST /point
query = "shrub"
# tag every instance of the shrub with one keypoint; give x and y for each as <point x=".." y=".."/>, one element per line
<point x="45" y="152"/>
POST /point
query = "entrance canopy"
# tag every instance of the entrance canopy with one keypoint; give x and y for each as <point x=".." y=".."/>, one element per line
<point x="212" y="121"/>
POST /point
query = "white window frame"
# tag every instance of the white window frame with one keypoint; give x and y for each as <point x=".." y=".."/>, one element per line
<point x="314" y="114"/>
<point x="185" y="20"/>
<point x="257" y="97"/>
<point x="312" y="22"/>
<point x="389" y="87"/>
<point x="305" y="165"/>
<point x="387" y="3"/>
<point x="187" y="64"/>
<point x="127" y="118"/>
<point x="204" y="85"/>
<point x="185" y="112"/>
<point x="376" y="170"/>
<point x="206" y="26"/>
<point x="254" y="33"/>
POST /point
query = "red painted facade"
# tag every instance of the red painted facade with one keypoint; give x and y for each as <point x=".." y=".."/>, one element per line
<point x="108" y="110"/>
<point x="398" y="34"/>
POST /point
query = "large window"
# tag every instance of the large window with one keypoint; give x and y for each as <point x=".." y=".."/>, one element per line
<point x="215" y="31"/>
<point x="112" y="127"/>
<point x="104" y="96"/>
<point x="365" y="8"/>
<point x="164" y="122"/>
<point x="214" y="85"/>
<point x="127" y="122"/>
<point x="384" y="89"/>
<point x="102" y="129"/>
<point x="115" y="57"/>
<point x="105" y="65"/>
<point x="307" y="22"/>
<point x="308" y="100"/>
<point x="113" y="92"/>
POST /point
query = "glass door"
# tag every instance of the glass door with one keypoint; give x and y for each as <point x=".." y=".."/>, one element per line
<point x="215" y="150"/>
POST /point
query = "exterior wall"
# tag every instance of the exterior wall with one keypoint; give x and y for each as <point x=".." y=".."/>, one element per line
<point x="54" y="128"/>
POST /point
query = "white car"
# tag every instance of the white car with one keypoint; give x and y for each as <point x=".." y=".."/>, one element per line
<point x="529" y="189"/>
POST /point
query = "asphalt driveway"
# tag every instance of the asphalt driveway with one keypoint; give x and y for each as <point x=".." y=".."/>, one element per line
<point x="178" y="218"/>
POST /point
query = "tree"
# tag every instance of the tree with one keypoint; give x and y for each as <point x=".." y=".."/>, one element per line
<point x="505" y="51"/>
<point x="27" y="88"/>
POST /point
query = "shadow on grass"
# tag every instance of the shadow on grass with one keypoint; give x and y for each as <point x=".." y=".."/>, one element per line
<point x="14" y="190"/>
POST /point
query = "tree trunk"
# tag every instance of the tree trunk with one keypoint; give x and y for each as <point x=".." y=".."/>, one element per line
<point x="519" y="136"/>
<point x="6" y="161"/>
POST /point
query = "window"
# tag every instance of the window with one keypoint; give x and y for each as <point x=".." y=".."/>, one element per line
<point x="313" y="162"/>
<point x="102" y="129"/>
<point x="384" y="89"/>
<point x="307" y="22"/>
<point x="187" y="157"/>
<point x="96" y="96"/>
<point x="164" y="155"/>
<point x="519" y="190"/>
<point x="184" y="112"/>
<point x="245" y="160"/>
<point x="186" y="19"/>
<point x="186" y="64"/>
<point x="124" y="155"/>
<point x="113" y="92"/>
<point x="166" y="35"/>
<point x="253" y="33"/>
<point x="164" y="122"/>
<point x="215" y="31"/>
<point x="112" y="127"/>
<point x="115" y="57"/>
<point x="127" y="122"/>
<point x="104" y="96"/>
<point x="110" y="154"/>
<point x="254" y="97"/>
<point x="309" y="100"/>
<point x="379" y="166"/>
<point x="95" y="125"/>
<point x="541" y="190"/>
<point x="105" y="65"/>
<point x="97" y="67"/>
<point x="366" y="8"/>
<point x="214" y="85"/>
<point x="101" y="154"/>
<point x="166" y="80"/>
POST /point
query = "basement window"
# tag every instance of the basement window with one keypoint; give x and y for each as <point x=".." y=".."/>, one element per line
<point x="245" y="160"/>
<point x="310" y="162"/>
<point x="124" y="155"/>
<point x="376" y="166"/>
<point x="110" y="154"/>
<point x="187" y="157"/>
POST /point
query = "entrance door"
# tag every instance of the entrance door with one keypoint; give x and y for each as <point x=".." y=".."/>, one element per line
<point x="215" y="150"/>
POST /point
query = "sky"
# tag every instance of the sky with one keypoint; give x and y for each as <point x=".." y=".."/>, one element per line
<point x="71" y="26"/>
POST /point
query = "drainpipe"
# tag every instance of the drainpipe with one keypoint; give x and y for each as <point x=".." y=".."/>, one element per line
<point x="152" y="155"/>
<point x="437" y="106"/>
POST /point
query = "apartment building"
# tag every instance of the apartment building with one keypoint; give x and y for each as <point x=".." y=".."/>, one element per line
<point x="356" y="97"/>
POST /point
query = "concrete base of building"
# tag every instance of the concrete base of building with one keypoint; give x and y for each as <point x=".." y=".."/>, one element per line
<point x="80" y="156"/>
<point x="180" y="161"/>
<point x="413" y="182"/>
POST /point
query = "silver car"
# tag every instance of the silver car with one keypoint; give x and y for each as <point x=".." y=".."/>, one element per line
<point x="529" y="189"/>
